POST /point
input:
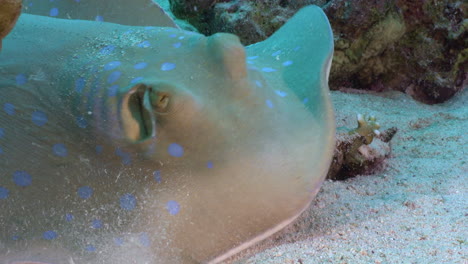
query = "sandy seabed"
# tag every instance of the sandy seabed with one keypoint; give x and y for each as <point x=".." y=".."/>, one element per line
<point x="413" y="211"/>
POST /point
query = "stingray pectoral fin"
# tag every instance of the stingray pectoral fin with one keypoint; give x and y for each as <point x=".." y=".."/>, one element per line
<point x="132" y="13"/>
<point x="301" y="50"/>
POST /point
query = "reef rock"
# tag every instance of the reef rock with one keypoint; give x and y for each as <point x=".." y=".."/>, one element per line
<point x="417" y="47"/>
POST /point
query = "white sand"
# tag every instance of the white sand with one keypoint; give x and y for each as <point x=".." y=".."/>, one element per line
<point x="414" y="211"/>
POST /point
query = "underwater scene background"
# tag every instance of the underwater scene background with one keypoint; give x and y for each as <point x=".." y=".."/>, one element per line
<point x="337" y="135"/>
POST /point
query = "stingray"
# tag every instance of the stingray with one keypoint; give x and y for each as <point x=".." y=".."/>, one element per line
<point x="144" y="143"/>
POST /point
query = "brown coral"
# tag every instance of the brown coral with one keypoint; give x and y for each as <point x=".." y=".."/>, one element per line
<point x="9" y="13"/>
<point x="362" y="150"/>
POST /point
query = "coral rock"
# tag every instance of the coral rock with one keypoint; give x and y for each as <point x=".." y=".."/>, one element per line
<point x="417" y="47"/>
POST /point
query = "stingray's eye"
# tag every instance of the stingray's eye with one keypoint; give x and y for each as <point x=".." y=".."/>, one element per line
<point x="144" y="108"/>
<point x="159" y="101"/>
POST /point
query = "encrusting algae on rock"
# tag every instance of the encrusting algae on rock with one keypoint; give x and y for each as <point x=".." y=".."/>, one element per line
<point x="361" y="150"/>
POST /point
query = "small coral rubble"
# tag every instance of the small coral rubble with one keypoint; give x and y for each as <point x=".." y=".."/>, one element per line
<point x="362" y="150"/>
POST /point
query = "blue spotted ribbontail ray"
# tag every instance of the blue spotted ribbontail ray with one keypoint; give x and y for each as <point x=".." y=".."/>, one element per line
<point x="136" y="144"/>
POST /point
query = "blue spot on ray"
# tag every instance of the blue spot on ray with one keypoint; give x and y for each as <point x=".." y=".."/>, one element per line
<point x="173" y="207"/>
<point x="22" y="178"/>
<point x="49" y="235"/>
<point x="112" y="65"/>
<point x="60" y="150"/>
<point x="4" y="192"/>
<point x="305" y="101"/>
<point x="96" y="224"/>
<point x="107" y="49"/>
<point x="69" y="217"/>
<point x="269" y="103"/>
<point x="127" y="202"/>
<point x="112" y="91"/>
<point x="140" y="66"/>
<point x="39" y="118"/>
<point x="281" y="93"/>
<point x="167" y="66"/>
<point x="276" y="53"/>
<point x="144" y="239"/>
<point x="287" y="63"/>
<point x="267" y="69"/>
<point x="177" y="45"/>
<point x="85" y="192"/>
<point x="99" y="149"/>
<point x="81" y="122"/>
<point x="157" y="176"/>
<point x="114" y="76"/>
<point x="90" y="248"/>
<point x="79" y="85"/>
<point x="21" y="79"/>
<point x="99" y="18"/>
<point x="53" y="12"/>
<point x="175" y="150"/>
<point x="209" y="164"/>
<point x="126" y="158"/>
<point x="9" y="108"/>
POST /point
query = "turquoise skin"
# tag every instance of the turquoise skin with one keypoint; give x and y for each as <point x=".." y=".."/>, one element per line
<point x="123" y="143"/>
